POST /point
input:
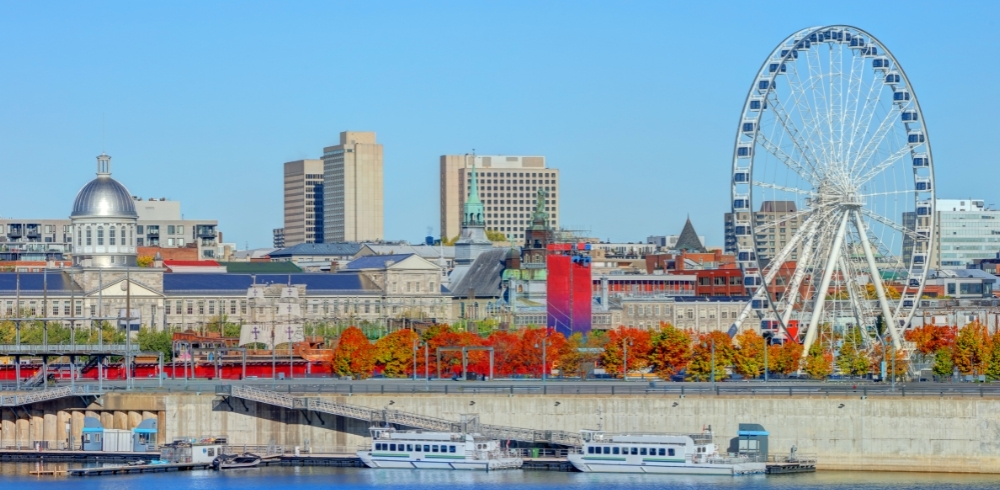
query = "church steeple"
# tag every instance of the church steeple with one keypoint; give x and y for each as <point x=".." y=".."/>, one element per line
<point x="473" y="212"/>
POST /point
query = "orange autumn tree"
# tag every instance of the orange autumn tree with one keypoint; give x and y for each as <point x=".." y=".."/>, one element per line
<point x="971" y="353"/>
<point x="785" y="358"/>
<point x="748" y="360"/>
<point x="819" y="362"/>
<point x="931" y="338"/>
<point x="354" y="355"/>
<point x="671" y="351"/>
<point x="393" y="354"/>
<point x="878" y="355"/>
<point x="640" y="344"/>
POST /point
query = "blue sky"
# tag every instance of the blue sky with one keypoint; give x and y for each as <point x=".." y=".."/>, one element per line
<point x="636" y="102"/>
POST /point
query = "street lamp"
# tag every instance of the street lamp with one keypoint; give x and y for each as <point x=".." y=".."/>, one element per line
<point x="625" y="343"/>
<point x="415" y="359"/>
<point x="544" y="363"/>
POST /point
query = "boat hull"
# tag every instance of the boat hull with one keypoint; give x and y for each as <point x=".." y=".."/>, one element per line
<point x="599" y="466"/>
<point x="438" y="464"/>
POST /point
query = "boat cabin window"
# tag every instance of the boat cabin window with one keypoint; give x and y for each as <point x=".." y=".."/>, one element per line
<point x="409" y="447"/>
<point x="642" y="452"/>
<point x="211" y="451"/>
<point x="590" y="450"/>
<point x="434" y="448"/>
<point x="451" y="449"/>
<point x="615" y="450"/>
<point x="670" y="452"/>
<point x="427" y="448"/>
<point x="607" y="449"/>
<point x="635" y="451"/>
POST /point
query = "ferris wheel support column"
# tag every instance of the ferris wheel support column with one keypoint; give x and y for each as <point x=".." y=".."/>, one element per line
<point x="824" y="285"/>
<point x="800" y="272"/>
<point x="890" y="320"/>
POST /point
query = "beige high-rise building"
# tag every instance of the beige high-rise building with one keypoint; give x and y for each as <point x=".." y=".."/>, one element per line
<point x="777" y="222"/>
<point x="508" y="189"/>
<point x="353" y="209"/>
<point x="303" y="202"/>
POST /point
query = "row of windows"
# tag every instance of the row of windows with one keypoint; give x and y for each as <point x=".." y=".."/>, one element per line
<point x="112" y="235"/>
<point x="425" y="448"/>
<point x="639" y="451"/>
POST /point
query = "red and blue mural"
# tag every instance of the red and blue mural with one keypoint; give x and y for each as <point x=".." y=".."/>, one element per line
<point x="568" y="288"/>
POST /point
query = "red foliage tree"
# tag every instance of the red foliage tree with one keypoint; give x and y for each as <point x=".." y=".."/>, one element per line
<point x="354" y="355"/>
<point x="671" y="351"/>
<point x="931" y="338"/>
<point x="700" y="366"/>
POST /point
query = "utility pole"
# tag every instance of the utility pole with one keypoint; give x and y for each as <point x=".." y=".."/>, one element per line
<point x="427" y="368"/>
<point x="765" y="359"/>
<point x="713" y="364"/>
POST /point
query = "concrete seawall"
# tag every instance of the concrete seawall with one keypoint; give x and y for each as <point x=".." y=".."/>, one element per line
<point x="846" y="433"/>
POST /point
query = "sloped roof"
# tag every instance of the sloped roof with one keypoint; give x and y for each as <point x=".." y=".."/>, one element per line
<point x="191" y="263"/>
<point x="337" y="249"/>
<point x="688" y="241"/>
<point x="484" y="277"/>
<point x="37" y="281"/>
<point x="239" y="283"/>
<point x="425" y="251"/>
<point x="376" y="261"/>
<point x="260" y="267"/>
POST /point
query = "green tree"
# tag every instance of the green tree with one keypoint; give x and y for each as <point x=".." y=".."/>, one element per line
<point x="851" y="358"/>
<point x="700" y="366"/>
<point x="943" y="365"/>
<point x="156" y="341"/>
<point x="819" y="362"/>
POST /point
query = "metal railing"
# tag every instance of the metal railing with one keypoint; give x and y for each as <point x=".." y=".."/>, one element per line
<point x="42" y="396"/>
<point x="29" y="349"/>
<point x="399" y="417"/>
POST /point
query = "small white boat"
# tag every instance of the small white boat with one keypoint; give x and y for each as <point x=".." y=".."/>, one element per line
<point x="436" y="451"/>
<point x="692" y="454"/>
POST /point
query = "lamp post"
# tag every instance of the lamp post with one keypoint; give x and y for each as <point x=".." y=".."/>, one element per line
<point x="290" y="372"/>
<point x="625" y="343"/>
<point x="713" y="364"/>
<point x="427" y="368"/>
<point x="766" y="344"/>
<point x="544" y="363"/>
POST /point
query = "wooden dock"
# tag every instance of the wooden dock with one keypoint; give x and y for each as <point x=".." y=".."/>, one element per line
<point x="141" y="468"/>
<point x="48" y="472"/>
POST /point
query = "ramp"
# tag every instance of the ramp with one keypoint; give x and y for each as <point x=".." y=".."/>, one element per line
<point x="398" y="417"/>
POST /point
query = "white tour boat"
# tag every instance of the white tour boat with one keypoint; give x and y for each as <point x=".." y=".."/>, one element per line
<point x="436" y="450"/>
<point x="672" y="454"/>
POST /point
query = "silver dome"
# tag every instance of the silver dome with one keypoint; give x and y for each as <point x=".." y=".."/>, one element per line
<point x="104" y="196"/>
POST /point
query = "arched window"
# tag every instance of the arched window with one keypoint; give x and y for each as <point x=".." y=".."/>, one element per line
<point x="79" y="237"/>
<point x="123" y="236"/>
<point x="111" y="235"/>
<point x="100" y="235"/>
<point x="88" y="236"/>
<point x="131" y="235"/>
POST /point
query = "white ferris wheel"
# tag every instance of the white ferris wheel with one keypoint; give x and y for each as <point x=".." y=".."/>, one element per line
<point x="832" y="188"/>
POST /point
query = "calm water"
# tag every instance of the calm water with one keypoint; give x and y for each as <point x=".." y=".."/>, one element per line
<point x="317" y="478"/>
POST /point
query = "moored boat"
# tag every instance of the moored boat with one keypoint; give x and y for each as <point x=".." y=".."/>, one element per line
<point x="694" y="454"/>
<point x="436" y="450"/>
<point x="234" y="461"/>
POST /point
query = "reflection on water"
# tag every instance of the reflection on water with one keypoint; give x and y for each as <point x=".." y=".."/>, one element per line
<point x="308" y="478"/>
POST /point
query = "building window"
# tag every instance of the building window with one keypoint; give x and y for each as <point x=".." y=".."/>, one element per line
<point x="190" y="307"/>
<point x="201" y="307"/>
<point x="232" y="307"/>
<point x="138" y="229"/>
<point x="79" y="237"/>
<point x="211" y="307"/>
<point x="79" y="308"/>
<point x="170" y="229"/>
<point x="243" y="306"/>
<point x="66" y="307"/>
<point x="100" y="235"/>
<point x="166" y="307"/>
<point x="180" y="229"/>
<point x="111" y="235"/>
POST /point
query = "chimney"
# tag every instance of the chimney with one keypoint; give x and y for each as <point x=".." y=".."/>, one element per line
<point x="158" y="260"/>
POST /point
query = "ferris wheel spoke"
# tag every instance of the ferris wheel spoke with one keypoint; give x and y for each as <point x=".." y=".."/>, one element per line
<point x="891" y="224"/>
<point x="884" y="128"/>
<point x="783" y="221"/>
<point x="809" y="175"/>
<point x="872" y="102"/>
<point x="800" y="102"/>
<point x="884" y="164"/>
<point x="853" y="99"/>
<point x="783" y="188"/>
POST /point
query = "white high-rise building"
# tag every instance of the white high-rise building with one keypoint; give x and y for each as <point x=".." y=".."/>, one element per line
<point x="352" y="189"/>
<point x="966" y="230"/>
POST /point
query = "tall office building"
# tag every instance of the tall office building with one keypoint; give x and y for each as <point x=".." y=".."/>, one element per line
<point x="303" y="202"/>
<point x="966" y="229"/>
<point x="777" y="222"/>
<point x="508" y="189"/>
<point x="352" y="189"/>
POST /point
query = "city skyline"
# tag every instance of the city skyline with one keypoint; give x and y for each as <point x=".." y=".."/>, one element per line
<point x="194" y="127"/>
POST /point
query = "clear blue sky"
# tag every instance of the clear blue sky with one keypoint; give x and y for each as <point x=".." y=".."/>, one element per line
<point x="636" y="102"/>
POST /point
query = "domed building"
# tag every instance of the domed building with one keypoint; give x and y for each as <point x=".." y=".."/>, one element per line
<point x="104" y="220"/>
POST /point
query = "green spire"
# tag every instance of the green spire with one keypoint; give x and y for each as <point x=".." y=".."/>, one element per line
<point x="473" y="211"/>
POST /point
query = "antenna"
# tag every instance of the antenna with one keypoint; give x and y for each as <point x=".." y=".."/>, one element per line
<point x="102" y="134"/>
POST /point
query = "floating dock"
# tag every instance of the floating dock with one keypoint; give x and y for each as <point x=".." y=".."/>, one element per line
<point x="790" y="467"/>
<point x="139" y="468"/>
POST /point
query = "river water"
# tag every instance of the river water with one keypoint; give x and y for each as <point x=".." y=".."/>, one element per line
<point x="15" y="476"/>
